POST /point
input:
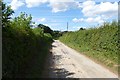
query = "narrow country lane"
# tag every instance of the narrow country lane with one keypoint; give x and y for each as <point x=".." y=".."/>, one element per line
<point x="65" y="62"/>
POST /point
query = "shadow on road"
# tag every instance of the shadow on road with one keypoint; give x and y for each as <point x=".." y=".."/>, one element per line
<point x="51" y="71"/>
<point x="62" y="73"/>
<point x="58" y="72"/>
<point x="54" y="46"/>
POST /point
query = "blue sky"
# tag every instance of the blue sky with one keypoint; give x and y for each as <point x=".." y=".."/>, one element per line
<point x="56" y="14"/>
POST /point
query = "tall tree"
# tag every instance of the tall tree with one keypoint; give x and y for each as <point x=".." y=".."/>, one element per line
<point x="23" y="21"/>
<point x="6" y="14"/>
<point x="46" y="29"/>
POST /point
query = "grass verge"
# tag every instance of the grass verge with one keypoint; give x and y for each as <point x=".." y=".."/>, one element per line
<point x="100" y="44"/>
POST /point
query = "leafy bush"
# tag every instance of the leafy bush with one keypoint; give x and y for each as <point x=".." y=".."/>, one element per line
<point x="99" y="43"/>
<point x="23" y="47"/>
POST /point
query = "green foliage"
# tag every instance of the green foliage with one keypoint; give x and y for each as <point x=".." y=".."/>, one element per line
<point x="82" y="28"/>
<point x="38" y="31"/>
<point x="56" y="34"/>
<point x="45" y="28"/>
<point x="22" y="21"/>
<point x="99" y="43"/>
<point x="23" y="47"/>
<point x="6" y="13"/>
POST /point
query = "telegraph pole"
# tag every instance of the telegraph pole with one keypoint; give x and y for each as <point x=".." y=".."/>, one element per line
<point x="67" y="26"/>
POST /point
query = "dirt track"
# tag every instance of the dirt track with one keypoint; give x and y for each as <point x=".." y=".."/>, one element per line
<point x="65" y="62"/>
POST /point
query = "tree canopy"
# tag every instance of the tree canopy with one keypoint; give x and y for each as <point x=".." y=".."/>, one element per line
<point x="6" y="14"/>
<point x="45" y="28"/>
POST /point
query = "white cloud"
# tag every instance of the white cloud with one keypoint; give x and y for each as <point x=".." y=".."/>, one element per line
<point x="78" y="20"/>
<point x="97" y="13"/>
<point x="90" y="8"/>
<point x="15" y="4"/>
<point x="34" y="3"/>
<point x="90" y="20"/>
<point x="41" y="19"/>
<point x="57" y="7"/>
<point x="62" y="6"/>
<point x="77" y="27"/>
<point x="46" y="25"/>
<point x="53" y="1"/>
<point x="97" y="19"/>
